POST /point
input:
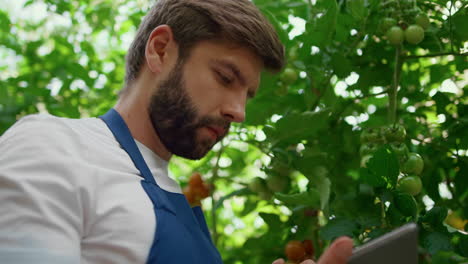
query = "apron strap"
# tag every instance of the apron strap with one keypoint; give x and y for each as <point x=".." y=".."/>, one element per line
<point x="121" y="132"/>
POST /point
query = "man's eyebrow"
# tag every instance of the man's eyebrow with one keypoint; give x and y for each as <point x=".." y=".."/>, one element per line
<point x="233" y="67"/>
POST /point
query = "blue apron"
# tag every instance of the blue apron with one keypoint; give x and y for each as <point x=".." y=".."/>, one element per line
<point x="182" y="235"/>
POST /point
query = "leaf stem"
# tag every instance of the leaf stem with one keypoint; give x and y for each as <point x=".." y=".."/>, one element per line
<point x="392" y="92"/>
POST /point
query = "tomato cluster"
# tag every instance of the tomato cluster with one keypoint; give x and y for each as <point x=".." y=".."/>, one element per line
<point x="297" y="251"/>
<point x="411" y="164"/>
<point x="404" y="21"/>
<point x="196" y="190"/>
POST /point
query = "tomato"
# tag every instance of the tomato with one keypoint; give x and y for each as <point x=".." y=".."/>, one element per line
<point x="289" y="76"/>
<point x="201" y="191"/>
<point x="295" y="251"/>
<point x="395" y="35"/>
<point x="370" y="135"/>
<point x="387" y="23"/>
<point x="394" y="133"/>
<point x="258" y="185"/>
<point x="410" y="185"/>
<point x="368" y="148"/>
<point x="196" y="180"/>
<point x="191" y="197"/>
<point x="277" y="183"/>
<point x="422" y="20"/>
<point x="413" y="165"/>
<point x="265" y="195"/>
<point x="414" y="34"/>
<point x="401" y="150"/>
<point x="308" y="247"/>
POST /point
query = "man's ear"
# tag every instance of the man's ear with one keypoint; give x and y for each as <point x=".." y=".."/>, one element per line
<point x="159" y="48"/>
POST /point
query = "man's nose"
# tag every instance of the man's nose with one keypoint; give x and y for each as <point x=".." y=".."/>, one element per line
<point x="233" y="109"/>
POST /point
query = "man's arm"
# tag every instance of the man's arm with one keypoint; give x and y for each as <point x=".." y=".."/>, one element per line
<point x="39" y="213"/>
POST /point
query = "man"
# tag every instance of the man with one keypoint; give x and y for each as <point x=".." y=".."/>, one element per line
<point x="96" y="190"/>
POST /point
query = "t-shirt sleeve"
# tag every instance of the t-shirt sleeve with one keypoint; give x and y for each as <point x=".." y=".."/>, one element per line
<point x="40" y="213"/>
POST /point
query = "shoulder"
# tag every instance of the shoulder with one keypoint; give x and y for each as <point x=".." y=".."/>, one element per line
<point x="44" y="133"/>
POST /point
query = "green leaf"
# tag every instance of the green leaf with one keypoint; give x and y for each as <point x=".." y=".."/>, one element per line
<point x="371" y="178"/>
<point x="310" y="198"/>
<point x="459" y="21"/>
<point x="297" y="126"/>
<point x="357" y="9"/>
<point x="445" y="257"/>
<point x="384" y="163"/>
<point x="442" y="100"/>
<point x="240" y="192"/>
<point x="341" y="65"/>
<point x="338" y="227"/>
<point x="461" y="179"/>
<point x="434" y="242"/>
<point x="320" y="31"/>
<point x="272" y="220"/>
<point x="463" y="245"/>
<point x="435" y="217"/>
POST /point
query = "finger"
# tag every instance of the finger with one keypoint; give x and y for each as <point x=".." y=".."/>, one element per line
<point x="308" y="261"/>
<point x="339" y="252"/>
<point x="278" y="261"/>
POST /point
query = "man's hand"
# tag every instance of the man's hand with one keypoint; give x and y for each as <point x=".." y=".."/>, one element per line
<point x="338" y="253"/>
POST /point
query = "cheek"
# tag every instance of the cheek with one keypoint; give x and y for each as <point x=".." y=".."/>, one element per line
<point x="205" y="92"/>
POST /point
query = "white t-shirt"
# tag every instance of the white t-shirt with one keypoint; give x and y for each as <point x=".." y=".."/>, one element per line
<point x="70" y="194"/>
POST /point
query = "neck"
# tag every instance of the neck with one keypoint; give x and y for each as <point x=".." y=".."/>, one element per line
<point x="133" y="111"/>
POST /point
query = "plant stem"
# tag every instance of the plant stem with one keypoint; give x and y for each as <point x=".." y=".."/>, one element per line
<point x="213" y="200"/>
<point x="392" y="92"/>
<point x="436" y="55"/>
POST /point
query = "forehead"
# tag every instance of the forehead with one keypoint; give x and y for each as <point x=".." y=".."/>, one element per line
<point x="223" y="53"/>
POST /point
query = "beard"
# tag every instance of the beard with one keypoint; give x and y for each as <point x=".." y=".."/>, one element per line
<point x="176" y="120"/>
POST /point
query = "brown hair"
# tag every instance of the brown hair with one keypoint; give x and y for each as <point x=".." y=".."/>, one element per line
<point x="238" y="21"/>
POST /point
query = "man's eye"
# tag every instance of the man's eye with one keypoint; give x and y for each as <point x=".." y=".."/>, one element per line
<point x="224" y="78"/>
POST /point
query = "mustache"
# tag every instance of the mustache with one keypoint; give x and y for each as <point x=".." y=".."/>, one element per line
<point x="212" y="121"/>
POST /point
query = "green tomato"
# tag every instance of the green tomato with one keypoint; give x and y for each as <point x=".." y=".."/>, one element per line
<point x="387" y="23"/>
<point x="370" y="135"/>
<point x="289" y="76"/>
<point x="422" y="20"/>
<point x="414" y="34"/>
<point x="400" y="149"/>
<point x="367" y="148"/>
<point x="277" y="183"/>
<point x="413" y="165"/>
<point x="258" y="185"/>
<point x="394" y="133"/>
<point x="410" y="184"/>
<point x="395" y="35"/>
<point x="266" y="195"/>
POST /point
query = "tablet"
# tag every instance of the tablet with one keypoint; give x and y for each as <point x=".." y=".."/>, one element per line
<point x="399" y="246"/>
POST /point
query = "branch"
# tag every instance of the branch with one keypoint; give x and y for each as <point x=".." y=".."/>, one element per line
<point x="371" y="95"/>
<point x="435" y="55"/>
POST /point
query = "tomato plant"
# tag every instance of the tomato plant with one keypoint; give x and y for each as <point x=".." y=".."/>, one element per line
<point x="351" y="83"/>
